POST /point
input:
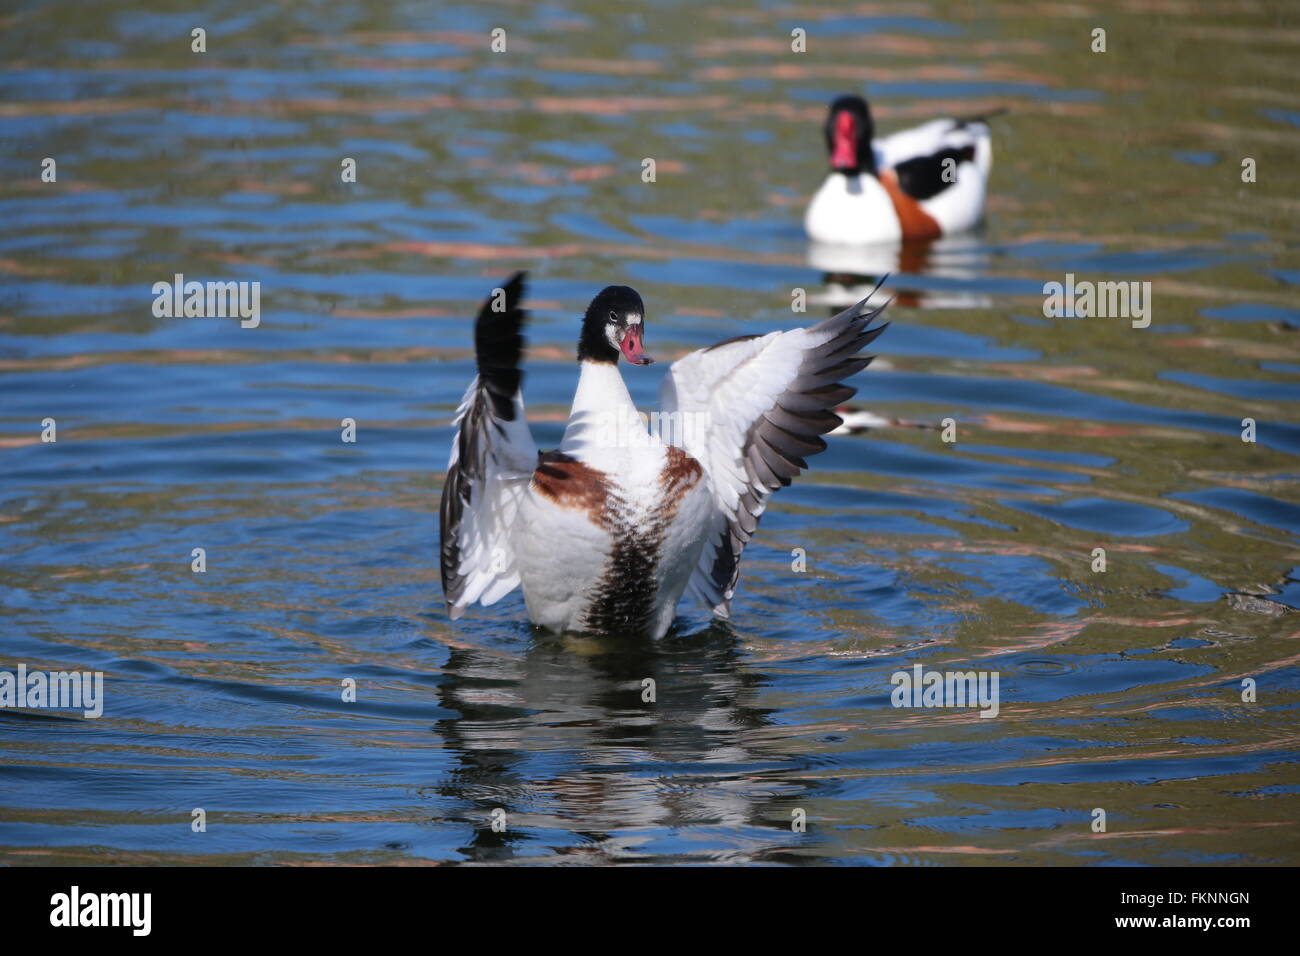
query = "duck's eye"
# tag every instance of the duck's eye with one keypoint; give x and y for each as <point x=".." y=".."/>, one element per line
<point x="613" y="317"/>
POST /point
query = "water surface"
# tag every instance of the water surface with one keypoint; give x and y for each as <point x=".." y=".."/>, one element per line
<point x="1120" y="690"/>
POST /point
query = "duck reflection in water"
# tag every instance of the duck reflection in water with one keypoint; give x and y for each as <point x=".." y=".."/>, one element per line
<point x="851" y="272"/>
<point x="618" y="740"/>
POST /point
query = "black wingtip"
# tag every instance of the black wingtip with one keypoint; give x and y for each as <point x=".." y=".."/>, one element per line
<point x="514" y="288"/>
<point x="862" y="308"/>
<point x="860" y="311"/>
<point x="499" y="344"/>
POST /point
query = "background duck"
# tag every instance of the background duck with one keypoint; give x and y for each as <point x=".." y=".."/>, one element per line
<point x="918" y="184"/>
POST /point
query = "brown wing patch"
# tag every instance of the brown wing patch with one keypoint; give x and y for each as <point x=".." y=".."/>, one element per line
<point x="916" y="222"/>
<point x="572" y="484"/>
<point x="681" y="473"/>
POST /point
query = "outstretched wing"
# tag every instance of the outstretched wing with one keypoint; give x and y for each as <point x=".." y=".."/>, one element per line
<point x="492" y="461"/>
<point x="750" y="410"/>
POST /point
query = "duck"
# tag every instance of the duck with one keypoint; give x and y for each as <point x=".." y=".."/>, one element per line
<point x="916" y="185"/>
<point x="608" y="532"/>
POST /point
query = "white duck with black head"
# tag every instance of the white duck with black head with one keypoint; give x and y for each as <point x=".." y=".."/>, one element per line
<point x="915" y="185"/>
<point x="609" y="531"/>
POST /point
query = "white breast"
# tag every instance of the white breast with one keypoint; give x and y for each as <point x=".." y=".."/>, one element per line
<point x="683" y="542"/>
<point x="852" y="210"/>
<point x="618" y="558"/>
<point x="561" y="555"/>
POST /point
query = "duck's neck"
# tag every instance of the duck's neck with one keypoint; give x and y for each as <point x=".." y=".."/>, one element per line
<point x="602" y="401"/>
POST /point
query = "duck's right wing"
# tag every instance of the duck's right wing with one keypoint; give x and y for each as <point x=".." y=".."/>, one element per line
<point x="492" y="460"/>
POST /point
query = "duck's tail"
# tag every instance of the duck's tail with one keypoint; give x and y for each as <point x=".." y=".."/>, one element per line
<point x="979" y="117"/>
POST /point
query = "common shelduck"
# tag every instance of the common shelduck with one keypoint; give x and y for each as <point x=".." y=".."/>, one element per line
<point x="920" y="183"/>
<point x="607" y="532"/>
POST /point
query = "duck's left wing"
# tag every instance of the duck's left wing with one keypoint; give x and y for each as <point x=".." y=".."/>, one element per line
<point x="492" y="460"/>
<point x="750" y="410"/>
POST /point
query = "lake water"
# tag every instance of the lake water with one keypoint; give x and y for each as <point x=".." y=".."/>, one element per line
<point x="1120" y="690"/>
